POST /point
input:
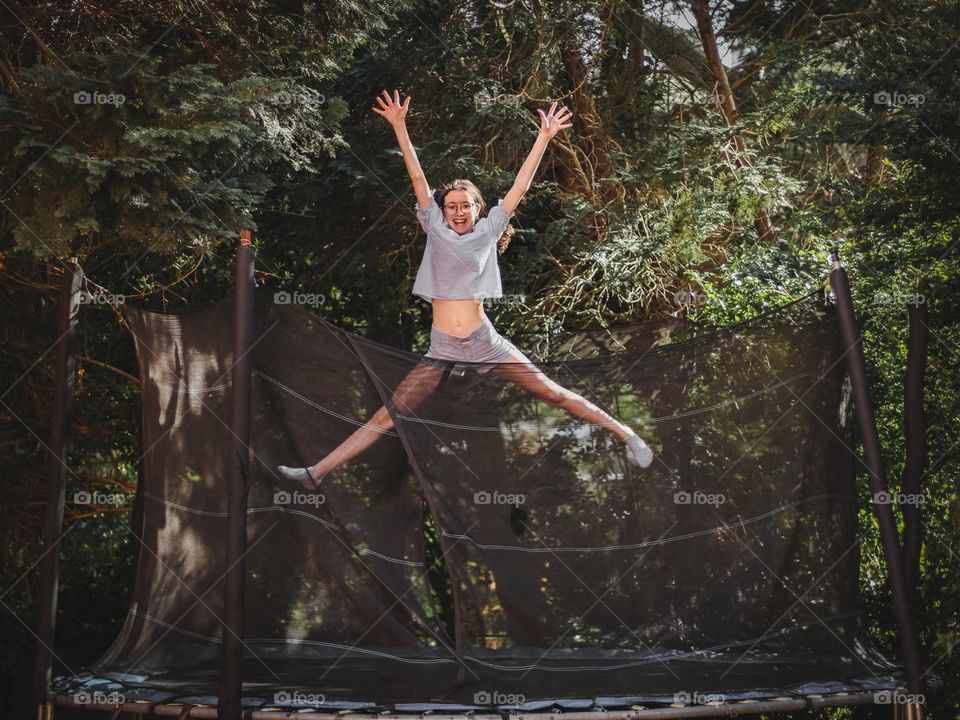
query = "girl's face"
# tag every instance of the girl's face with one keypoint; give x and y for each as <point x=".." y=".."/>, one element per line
<point x="460" y="211"/>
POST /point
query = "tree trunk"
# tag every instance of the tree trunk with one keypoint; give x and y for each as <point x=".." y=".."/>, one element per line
<point x="586" y="119"/>
<point x="725" y="99"/>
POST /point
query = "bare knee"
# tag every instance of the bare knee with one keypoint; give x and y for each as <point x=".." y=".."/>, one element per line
<point x="381" y="419"/>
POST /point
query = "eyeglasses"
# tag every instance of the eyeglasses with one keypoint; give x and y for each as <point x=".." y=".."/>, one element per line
<point x="462" y="207"/>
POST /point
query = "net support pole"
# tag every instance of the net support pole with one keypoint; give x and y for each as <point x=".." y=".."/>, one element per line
<point x="915" y="433"/>
<point x="65" y="370"/>
<point x="237" y="486"/>
<point x="856" y="368"/>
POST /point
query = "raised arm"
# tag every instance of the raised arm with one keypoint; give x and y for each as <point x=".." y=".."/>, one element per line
<point x="551" y="123"/>
<point x="396" y="114"/>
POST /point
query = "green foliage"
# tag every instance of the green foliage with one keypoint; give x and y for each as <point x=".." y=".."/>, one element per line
<point x="256" y="116"/>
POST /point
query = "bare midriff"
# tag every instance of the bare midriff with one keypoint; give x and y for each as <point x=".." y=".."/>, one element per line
<point x="457" y="317"/>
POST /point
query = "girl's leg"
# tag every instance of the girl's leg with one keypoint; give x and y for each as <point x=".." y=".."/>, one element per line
<point x="534" y="381"/>
<point x="416" y="387"/>
<point x="528" y="376"/>
<point x="412" y="390"/>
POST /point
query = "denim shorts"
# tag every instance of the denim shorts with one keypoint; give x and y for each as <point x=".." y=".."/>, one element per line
<point x="483" y="345"/>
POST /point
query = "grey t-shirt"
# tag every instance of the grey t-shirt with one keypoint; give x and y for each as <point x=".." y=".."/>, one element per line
<point x="460" y="267"/>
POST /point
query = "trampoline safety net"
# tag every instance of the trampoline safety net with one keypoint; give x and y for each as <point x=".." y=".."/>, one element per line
<point x="492" y="549"/>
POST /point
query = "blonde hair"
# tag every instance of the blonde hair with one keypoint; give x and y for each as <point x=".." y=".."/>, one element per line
<point x="474" y="193"/>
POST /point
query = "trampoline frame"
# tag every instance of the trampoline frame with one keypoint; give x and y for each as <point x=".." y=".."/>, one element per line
<point x="742" y="707"/>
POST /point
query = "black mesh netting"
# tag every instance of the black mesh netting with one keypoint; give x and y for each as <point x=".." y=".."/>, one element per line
<point x="492" y="548"/>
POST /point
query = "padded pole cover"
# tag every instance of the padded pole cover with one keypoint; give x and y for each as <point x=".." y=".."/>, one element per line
<point x="856" y="367"/>
<point x="65" y="375"/>
<point x="915" y="433"/>
<point x="238" y="466"/>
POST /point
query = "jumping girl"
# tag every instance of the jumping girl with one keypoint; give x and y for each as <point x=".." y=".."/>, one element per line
<point x="459" y="269"/>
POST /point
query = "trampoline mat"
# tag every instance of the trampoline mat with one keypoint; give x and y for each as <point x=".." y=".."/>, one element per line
<point x="357" y="684"/>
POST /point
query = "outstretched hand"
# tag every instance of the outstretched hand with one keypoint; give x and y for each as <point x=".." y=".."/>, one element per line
<point x="391" y="108"/>
<point x="553" y="121"/>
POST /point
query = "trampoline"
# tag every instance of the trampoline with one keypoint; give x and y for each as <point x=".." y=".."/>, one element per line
<point x="491" y="554"/>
